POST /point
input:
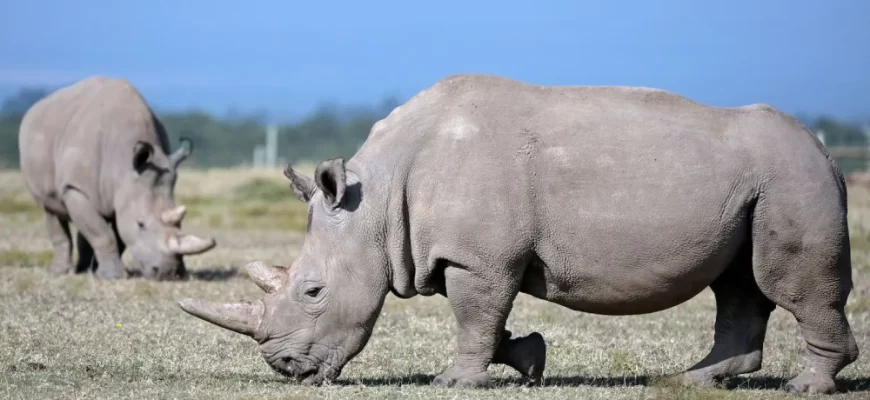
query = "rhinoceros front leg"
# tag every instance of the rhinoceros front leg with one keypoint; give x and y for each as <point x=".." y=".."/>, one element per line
<point x="481" y="305"/>
<point x="98" y="233"/>
<point x="61" y="243"/>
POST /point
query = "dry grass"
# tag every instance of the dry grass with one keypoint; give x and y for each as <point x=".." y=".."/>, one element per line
<point x="78" y="337"/>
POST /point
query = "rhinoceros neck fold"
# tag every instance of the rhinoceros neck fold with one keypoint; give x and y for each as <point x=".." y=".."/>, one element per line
<point x="384" y="184"/>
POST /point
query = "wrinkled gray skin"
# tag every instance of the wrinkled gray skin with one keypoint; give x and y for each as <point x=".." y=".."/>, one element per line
<point x="606" y="200"/>
<point x="94" y="154"/>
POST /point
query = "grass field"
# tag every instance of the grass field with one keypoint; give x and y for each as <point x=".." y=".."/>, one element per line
<point x="78" y="337"/>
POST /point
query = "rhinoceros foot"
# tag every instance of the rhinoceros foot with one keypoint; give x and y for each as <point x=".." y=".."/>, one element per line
<point x="60" y="267"/>
<point x="460" y="378"/>
<point x="812" y="383"/>
<point x="111" y="271"/>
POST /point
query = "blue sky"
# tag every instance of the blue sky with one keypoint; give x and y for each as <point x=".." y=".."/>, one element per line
<point x="287" y="56"/>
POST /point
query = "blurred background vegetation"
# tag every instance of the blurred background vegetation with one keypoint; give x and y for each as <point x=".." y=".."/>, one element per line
<point x="329" y="131"/>
<point x="229" y="140"/>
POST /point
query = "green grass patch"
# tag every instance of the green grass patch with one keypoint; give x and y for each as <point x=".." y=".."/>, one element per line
<point x="13" y="205"/>
<point x="24" y="284"/>
<point x="263" y="189"/>
<point x="671" y="389"/>
<point x="859" y="239"/>
<point x="256" y="203"/>
<point x="622" y="362"/>
<point x="21" y="258"/>
<point x="858" y="304"/>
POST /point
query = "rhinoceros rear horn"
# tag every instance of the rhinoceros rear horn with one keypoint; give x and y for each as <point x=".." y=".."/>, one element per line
<point x="267" y="277"/>
<point x="189" y="244"/>
<point x="244" y="317"/>
<point x="181" y="154"/>
<point x="173" y="216"/>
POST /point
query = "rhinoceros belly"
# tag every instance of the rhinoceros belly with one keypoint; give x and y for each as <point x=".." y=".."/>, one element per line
<point x="638" y="237"/>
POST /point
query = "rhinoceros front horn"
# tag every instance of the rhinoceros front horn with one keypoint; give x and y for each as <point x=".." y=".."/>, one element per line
<point x="242" y="317"/>
<point x="190" y="244"/>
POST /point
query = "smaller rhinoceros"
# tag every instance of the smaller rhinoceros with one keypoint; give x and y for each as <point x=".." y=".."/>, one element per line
<point x="95" y="154"/>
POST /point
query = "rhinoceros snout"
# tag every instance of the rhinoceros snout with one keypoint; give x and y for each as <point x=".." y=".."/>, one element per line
<point x="159" y="273"/>
<point x="305" y="373"/>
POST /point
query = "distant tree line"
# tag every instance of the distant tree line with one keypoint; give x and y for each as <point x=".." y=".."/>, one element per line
<point x="329" y="131"/>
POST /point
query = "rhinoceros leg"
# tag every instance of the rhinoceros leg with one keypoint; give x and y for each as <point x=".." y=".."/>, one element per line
<point x="86" y="262"/>
<point x="742" y="312"/>
<point x="527" y="355"/>
<point x="481" y="306"/>
<point x="98" y="233"/>
<point x="118" y="241"/>
<point x="803" y="263"/>
<point x="61" y="243"/>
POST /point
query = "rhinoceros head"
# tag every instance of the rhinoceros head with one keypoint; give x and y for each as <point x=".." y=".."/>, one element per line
<point x="147" y="218"/>
<point x="319" y="313"/>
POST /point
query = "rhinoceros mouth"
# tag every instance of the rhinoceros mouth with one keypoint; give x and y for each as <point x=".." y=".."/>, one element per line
<point x="305" y="373"/>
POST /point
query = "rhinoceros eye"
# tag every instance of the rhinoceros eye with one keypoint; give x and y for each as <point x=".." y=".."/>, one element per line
<point x="313" y="292"/>
<point x="141" y="224"/>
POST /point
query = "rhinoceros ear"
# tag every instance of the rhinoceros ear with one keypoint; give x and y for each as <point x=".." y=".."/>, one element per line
<point x="331" y="178"/>
<point x="142" y="152"/>
<point x="303" y="187"/>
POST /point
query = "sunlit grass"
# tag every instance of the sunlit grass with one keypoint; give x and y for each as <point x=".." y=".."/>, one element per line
<point x="79" y="337"/>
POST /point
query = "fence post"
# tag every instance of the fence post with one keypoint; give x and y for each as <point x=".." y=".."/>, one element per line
<point x="867" y="135"/>
<point x="271" y="145"/>
<point x="259" y="151"/>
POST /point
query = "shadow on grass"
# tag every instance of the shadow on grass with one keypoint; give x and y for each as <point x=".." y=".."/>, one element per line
<point x="772" y="382"/>
<point x="653" y="381"/>
<point x="742" y="383"/>
<point x="214" y="274"/>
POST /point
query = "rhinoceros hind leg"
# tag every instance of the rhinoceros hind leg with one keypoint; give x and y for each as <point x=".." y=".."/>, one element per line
<point x="98" y="233"/>
<point x="804" y="266"/>
<point x="481" y="320"/>
<point x="61" y="243"/>
<point x="742" y="312"/>
<point x="87" y="262"/>
<point x="527" y="355"/>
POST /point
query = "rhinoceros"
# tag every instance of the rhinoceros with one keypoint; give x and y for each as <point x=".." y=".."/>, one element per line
<point x="602" y="199"/>
<point x="94" y="153"/>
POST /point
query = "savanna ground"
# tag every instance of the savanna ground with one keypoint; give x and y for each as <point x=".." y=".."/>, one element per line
<point x="78" y="337"/>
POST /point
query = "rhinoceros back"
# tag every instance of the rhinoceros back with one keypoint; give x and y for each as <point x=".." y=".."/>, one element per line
<point x="82" y="136"/>
<point x="612" y="187"/>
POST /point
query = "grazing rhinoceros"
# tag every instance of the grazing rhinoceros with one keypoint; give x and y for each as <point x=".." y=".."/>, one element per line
<point x="606" y="200"/>
<point x="95" y="154"/>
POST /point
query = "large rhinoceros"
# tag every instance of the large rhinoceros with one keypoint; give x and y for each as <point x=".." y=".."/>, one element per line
<point x="606" y="200"/>
<point x="95" y="154"/>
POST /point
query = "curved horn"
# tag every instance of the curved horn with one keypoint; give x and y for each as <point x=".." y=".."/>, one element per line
<point x="189" y="244"/>
<point x="181" y="154"/>
<point x="173" y="216"/>
<point x="244" y="317"/>
<point x="267" y="277"/>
